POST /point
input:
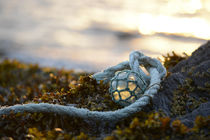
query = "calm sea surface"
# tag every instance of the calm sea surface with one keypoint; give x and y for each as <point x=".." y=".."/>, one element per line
<point x="91" y="35"/>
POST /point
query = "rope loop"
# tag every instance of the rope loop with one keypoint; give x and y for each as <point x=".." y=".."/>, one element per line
<point x="136" y="59"/>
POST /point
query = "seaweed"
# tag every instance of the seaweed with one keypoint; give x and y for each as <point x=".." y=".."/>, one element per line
<point x="155" y="125"/>
<point x="171" y="60"/>
<point x="25" y="83"/>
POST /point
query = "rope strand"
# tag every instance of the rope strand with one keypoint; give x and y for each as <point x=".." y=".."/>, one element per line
<point x="155" y="69"/>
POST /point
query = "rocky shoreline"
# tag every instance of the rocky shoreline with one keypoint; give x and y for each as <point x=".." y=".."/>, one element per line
<point x="181" y="110"/>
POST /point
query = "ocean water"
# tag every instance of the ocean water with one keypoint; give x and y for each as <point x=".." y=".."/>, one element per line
<point x="90" y="35"/>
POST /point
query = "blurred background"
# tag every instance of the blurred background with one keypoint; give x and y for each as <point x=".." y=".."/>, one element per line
<point x="90" y="35"/>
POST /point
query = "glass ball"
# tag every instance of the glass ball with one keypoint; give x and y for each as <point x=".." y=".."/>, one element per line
<point x="126" y="87"/>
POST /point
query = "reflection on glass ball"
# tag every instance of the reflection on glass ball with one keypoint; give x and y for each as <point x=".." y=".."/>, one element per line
<point x="126" y="87"/>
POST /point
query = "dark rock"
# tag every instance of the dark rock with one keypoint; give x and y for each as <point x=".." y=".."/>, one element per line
<point x="193" y="73"/>
<point x="163" y="99"/>
<point x="202" y="110"/>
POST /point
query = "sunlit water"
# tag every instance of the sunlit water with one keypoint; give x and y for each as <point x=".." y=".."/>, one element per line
<point x="91" y="35"/>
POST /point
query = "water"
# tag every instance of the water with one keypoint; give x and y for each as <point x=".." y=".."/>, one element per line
<point x="91" y="35"/>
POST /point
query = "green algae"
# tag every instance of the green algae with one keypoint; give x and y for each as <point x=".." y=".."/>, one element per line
<point x="25" y="83"/>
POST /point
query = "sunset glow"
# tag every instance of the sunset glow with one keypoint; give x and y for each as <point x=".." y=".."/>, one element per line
<point x="195" y="27"/>
<point x="95" y="34"/>
<point x="178" y="17"/>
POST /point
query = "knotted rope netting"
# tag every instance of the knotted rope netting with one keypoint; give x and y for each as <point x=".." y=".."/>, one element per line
<point x="156" y="73"/>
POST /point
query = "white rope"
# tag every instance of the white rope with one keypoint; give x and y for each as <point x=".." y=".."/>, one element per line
<point x="155" y="69"/>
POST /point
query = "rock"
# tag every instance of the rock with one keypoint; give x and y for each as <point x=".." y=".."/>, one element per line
<point x="202" y="110"/>
<point x="163" y="99"/>
<point x="188" y="85"/>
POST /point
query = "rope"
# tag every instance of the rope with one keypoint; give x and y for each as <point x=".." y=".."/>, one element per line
<point x="153" y="66"/>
